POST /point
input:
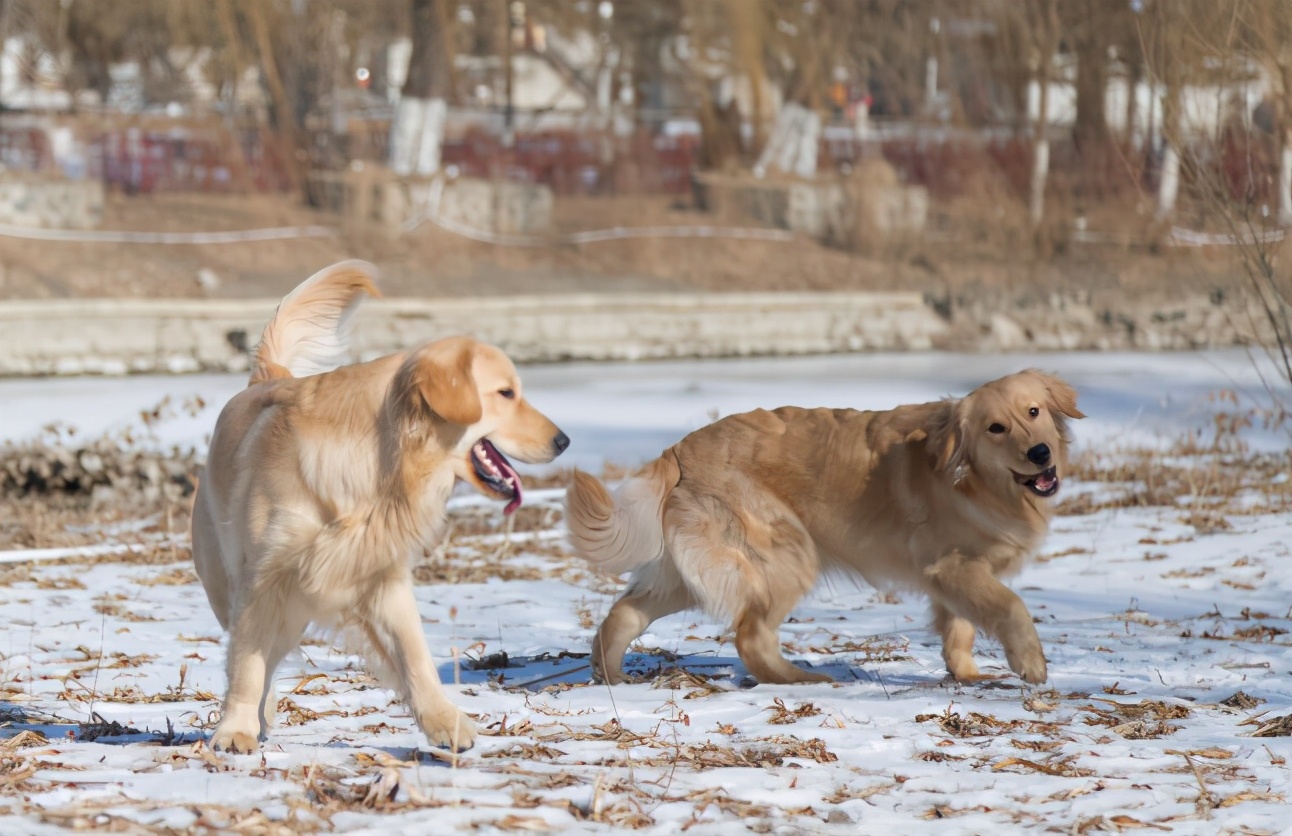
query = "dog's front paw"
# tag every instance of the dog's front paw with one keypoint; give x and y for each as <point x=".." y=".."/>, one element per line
<point x="238" y="741"/>
<point x="449" y="728"/>
<point x="962" y="668"/>
<point x="1029" y="664"/>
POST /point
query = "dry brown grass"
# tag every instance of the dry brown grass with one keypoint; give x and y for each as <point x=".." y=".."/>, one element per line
<point x="1208" y="476"/>
<point x="1146" y="719"/>
<point x="977" y="724"/>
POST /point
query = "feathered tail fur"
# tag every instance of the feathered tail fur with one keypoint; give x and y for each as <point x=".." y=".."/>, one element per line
<point x="619" y="531"/>
<point x="310" y="331"/>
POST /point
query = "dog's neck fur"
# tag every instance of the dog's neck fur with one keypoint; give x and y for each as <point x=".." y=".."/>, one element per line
<point x="413" y="441"/>
<point x="1022" y="518"/>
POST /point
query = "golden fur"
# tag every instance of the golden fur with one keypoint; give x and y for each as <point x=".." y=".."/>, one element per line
<point x="741" y="517"/>
<point x="320" y="490"/>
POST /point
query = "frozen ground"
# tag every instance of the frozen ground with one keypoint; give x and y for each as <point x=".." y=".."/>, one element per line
<point x="1152" y="618"/>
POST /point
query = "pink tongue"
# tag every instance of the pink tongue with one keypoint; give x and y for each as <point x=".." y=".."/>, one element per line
<point x="1045" y="482"/>
<point x="515" y="481"/>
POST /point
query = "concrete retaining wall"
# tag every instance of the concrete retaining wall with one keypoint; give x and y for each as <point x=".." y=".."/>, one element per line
<point x="178" y="335"/>
<point x="31" y="200"/>
<point x="829" y="209"/>
<point x="374" y="196"/>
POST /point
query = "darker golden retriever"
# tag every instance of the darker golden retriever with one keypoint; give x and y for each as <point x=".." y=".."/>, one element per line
<point x="741" y="517"/>
<point x="320" y="490"/>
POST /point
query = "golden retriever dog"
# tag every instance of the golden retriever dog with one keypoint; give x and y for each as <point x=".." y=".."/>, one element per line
<point x="741" y="517"/>
<point x="321" y="487"/>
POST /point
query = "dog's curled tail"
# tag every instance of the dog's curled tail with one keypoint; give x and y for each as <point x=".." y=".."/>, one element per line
<point x="619" y="531"/>
<point x="310" y="331"/>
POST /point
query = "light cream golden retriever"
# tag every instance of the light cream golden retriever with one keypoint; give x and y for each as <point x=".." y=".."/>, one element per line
<point x="320" y="490"/>
<point x="741" y="517"/>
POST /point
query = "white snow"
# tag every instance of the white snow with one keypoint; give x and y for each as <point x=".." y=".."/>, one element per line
<point x="1135" y="607"/>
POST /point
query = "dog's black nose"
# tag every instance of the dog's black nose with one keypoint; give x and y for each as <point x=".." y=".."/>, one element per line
<point x="1039" y="455"/>
<point x="560" y="442"/>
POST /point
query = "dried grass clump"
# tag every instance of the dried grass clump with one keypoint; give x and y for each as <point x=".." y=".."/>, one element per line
<point x="1241" y="701"/>
<point x="109" y="469"/>
<point x="1275" y="727"/>
<point x="976" y="724"/>
<point x="61" y="490"/>
<point x="783" y="715"/>
<point x="1144" y="720"/>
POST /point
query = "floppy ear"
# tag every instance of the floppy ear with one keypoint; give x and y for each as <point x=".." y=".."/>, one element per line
<point x="1062" y="396"/>
<point x="946" y="437"/>
<point x="440" y="374"/>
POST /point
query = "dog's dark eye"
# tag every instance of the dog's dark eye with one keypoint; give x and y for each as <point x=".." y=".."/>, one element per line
<point x="996" y="428"/>
<point x="507" y="393"/>
<point x="1034" y="412"/>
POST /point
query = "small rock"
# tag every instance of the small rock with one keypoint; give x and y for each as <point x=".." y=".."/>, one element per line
<point x="1006" y="333"/>
<point x="208" y="280"/>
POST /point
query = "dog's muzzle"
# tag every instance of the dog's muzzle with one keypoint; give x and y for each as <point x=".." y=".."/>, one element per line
<point x="1043" y="484"/>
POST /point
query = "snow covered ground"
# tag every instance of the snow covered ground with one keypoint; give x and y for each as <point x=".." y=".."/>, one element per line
<point x="1153" y="619"/>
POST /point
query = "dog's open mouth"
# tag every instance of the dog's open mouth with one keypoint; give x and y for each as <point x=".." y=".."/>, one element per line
<point x="496" y="473"/>
<point x="1045" y="483"/>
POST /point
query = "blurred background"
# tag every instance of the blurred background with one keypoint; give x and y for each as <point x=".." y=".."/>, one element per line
<point x="993" y="153"/>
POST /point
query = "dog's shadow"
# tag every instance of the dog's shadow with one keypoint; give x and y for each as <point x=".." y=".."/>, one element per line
<point x="566" y="670"/>
<point x="16" y="720"/>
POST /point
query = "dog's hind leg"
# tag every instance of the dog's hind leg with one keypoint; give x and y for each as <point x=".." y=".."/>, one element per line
<point x="655" y="591"/>
<point x="287" y="641"/>
<point x="207" y="560"/>
<point x="263" y="633"/>
<point x="751" y="566"/>
<point x="759" y="645"/>
<point x="957" y="643"/>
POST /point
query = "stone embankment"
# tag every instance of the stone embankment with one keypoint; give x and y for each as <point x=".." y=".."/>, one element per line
<point x="987" y="320"/>
<point x="121" y="336"/>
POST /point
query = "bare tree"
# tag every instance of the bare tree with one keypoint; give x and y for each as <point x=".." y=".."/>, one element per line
<point x="1163" y="34"/>
<point x="1042" y="17"/>
<point x="1216" y="43"/>
<point x="1089" y="29"/>
<point x="418" y="130"/>
<point x="1264" y="32"/>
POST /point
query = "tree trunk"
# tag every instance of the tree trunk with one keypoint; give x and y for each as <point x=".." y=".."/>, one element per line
<point x="1285" y="179"/>
<point x="792" y="147"/>
<point x="1285" y="146"/>
<point x="720" y="142"/>
<point x="417" y="133"/>
<point x="284" y="112"/>
<point x="1090" y="133"/>
<point x="1133" y="75"/>
<point x="1045" y="26"/>
<point x="1169" y="186"/>
<point x="1092" y="83"/>
<point x="1040" y="153"/>
<point x="747" y="33"/>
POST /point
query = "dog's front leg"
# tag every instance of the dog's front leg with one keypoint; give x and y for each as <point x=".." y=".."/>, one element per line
<point x="967" y="588"/>
<point x="394" y="628"/>
<point x="957" y="643"/>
